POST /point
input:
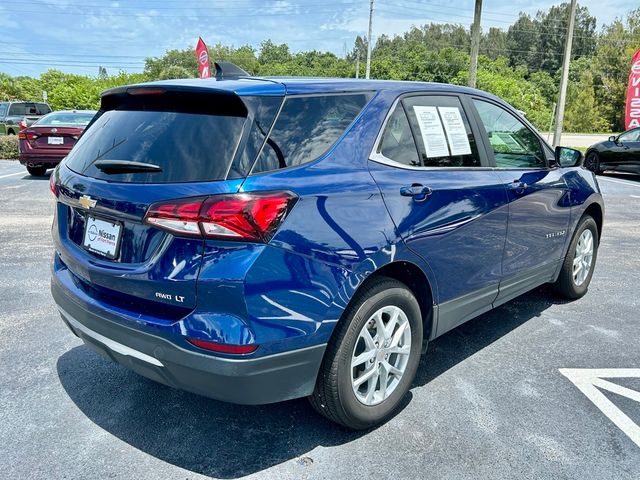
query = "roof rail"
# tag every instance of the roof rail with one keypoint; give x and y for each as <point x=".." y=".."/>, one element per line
<point x="226" y="70"/>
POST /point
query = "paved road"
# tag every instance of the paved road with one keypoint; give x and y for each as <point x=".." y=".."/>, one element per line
<point x="489" y="401"/>
<point x="577" y="139"/>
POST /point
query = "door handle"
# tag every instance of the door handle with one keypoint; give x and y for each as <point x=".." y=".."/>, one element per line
<point x="518" y="186"/>
<point x="419" y="192"/>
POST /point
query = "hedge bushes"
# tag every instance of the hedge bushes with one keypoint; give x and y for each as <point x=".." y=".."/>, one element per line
<point x="8" y="147"/>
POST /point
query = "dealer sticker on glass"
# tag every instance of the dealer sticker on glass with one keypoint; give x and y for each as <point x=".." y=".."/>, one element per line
<point x="102" y="237"/>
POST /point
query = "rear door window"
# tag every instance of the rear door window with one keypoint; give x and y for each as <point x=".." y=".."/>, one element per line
<point x="442" y="131"/>
<point x="397" y="143"/>
<point x="307" y="127"/>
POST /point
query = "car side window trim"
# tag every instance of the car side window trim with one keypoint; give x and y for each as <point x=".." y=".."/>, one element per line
<point x="487" y="147"/>
<point x="377" y="157"/>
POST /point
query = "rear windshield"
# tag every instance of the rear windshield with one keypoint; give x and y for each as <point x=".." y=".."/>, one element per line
<point x="42" y="109"/>
<point x="190" y="138"/>
<point x="71" y="119"/>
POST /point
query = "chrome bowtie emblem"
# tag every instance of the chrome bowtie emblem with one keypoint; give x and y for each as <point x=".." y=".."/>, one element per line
<point x="87" y="202"/>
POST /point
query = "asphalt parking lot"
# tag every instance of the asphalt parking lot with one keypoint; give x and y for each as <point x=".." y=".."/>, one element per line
<point x="489" y="400"/>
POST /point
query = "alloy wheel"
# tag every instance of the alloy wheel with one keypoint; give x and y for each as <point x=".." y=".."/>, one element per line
<point x="583" y="257"/>
<point x="380" y="355"/>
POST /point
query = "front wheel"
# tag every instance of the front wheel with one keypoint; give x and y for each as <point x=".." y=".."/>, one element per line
<point x="372" y="357"/>
<point x="580" y="260"/>
<point x="37" y="171"/>
<point x="592" y="162"/>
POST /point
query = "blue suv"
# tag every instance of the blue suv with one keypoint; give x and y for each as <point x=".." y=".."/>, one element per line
<point x="261" y="239"/>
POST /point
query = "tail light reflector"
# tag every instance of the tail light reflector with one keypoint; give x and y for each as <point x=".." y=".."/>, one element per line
<point x="240" y="216"/>
<point x="52" y="185"/>
<point x="27" y="135"/>
<point x="223" y="347"/>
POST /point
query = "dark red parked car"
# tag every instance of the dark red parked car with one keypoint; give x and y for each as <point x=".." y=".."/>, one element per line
<point x="45" y="143"/>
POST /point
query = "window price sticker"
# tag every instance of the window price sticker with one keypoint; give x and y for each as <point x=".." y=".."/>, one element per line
<point x="433" y="137"/>
<point x="456" y="133"/>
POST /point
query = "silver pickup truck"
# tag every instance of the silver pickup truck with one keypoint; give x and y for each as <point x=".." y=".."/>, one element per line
<point x="11" y="113"/>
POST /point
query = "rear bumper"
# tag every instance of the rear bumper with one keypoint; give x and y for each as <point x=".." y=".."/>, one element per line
<point x="251" y="381"/>
<point x="39" y="159"/>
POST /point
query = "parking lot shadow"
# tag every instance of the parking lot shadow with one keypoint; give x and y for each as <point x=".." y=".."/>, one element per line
<point x="228" y="441"/>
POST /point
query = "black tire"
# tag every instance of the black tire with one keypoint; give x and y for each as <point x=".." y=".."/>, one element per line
<point x="333" y="396"/>
<point x="566" y="285"/>
<point x="11" y="132"/>
<point x="37" y="171"/>
<point x="592" y="162"/>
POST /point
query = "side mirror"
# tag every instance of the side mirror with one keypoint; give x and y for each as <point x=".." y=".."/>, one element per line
<point x="612" y="138"/>
<point x="568" y="157"/>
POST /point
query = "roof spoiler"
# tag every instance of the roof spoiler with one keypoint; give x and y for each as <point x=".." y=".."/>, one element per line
<point x="227" y="70"/>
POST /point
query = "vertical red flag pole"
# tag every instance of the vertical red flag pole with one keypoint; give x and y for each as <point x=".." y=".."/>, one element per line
<point x="202" y="55"/>
<point x="632" y="111"/>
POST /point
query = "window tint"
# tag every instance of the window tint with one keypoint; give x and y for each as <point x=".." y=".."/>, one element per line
<point x="192" y="137"/>
<point x="42" y="109"/>
<point x="442" y="131"/>
<point x="17" y="109"/>
<point x="397" y="142"/>
<point x="513" y="144"/>
<point x="632" y="136"/>
<point x="307" y="127"/>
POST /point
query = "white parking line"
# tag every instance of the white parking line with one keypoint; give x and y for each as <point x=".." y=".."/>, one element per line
<point x="12" y="174"/>
<point x="591" y="381"/>
<point x="624" y="182"/>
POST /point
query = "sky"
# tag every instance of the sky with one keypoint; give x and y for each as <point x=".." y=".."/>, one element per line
<point x="77" y="36"/>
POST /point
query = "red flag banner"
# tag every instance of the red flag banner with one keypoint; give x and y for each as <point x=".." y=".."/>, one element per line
<point x="202" y="55"/>
<point x="632" y="112"/>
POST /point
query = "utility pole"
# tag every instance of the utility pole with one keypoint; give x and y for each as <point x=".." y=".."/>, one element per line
<point x="368" y="71"/>
<point x="475" y="44"/>
<point x="562" y="97"/>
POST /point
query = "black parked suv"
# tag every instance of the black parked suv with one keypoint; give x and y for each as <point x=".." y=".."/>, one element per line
<point x="14" y="116"/>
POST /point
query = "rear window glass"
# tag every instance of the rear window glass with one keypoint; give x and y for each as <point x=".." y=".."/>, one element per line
<point x="191" y="138"/>
<point x="3" y="109"/>
<point x="42" y="109"/>
<point x="307" y="127"/>
<point x="73" y="119"/>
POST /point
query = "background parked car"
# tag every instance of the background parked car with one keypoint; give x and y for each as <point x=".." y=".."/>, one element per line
<point x="620" y="153"/>
<point x="45" y="143"/>
<point x="12" y="114"/>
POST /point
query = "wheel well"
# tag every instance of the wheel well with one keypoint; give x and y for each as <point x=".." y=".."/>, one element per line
<point x="10" y="132"/>
<point x="414" y="278"/>
<point x="595" y="211"/>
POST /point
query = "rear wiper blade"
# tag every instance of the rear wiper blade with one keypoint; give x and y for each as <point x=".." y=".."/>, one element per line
<point x="111" y="167"/>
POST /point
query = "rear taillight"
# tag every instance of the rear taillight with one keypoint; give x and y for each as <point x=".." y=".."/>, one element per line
<point x="223" y="347"/>
<point x="240" y="216"/>
<point x="52" y="185"/>
<point x="27" y="134"/>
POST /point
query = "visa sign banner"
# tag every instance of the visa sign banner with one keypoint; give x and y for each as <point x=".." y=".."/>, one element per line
<point x="203" y="59"/>
<point x="632" y="112"/>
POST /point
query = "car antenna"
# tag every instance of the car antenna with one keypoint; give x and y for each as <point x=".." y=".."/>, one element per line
<point x="227" y="70"/>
